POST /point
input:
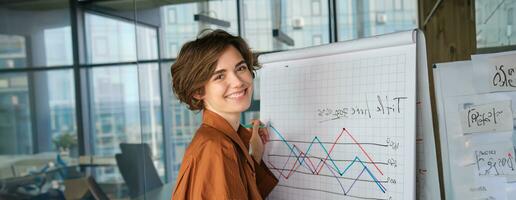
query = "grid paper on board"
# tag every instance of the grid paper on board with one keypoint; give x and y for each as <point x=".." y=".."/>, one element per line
<point x="342" y="126"/>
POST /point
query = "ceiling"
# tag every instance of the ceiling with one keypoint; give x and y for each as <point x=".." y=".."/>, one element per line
<point x="116" y="5"/>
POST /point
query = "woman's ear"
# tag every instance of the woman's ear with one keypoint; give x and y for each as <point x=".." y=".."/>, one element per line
<point x="197" y="96"/>
<point x="197" y="100"/>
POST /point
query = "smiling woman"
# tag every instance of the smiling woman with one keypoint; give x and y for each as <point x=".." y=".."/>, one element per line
<point x="228" y="91"/>
<point x="215" y="74"/>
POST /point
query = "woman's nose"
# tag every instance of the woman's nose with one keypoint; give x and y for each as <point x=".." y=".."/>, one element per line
<point x="236" y="80"/>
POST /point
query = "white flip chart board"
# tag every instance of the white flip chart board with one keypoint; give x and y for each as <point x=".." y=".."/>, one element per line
<point x="342" y="120"/>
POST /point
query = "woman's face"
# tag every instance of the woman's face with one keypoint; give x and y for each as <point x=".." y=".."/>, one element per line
<point x="229" y="89"/>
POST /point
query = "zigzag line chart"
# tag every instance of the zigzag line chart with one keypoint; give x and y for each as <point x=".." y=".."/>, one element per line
<point x="342" y="125"/>
<point x="300" y="161"/>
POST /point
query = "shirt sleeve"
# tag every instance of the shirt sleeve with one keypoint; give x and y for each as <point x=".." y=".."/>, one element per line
<point x="265" y="180"/>
<point x="211" y="175"/>
<point x="183" y="181"/>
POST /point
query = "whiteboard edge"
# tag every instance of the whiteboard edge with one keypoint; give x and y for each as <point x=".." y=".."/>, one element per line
<point x="386" y="40"/>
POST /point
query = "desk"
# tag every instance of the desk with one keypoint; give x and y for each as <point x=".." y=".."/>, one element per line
<point x="162" y="193"/>
<point x="92" y="160"/>
<point x="22" y="165"/>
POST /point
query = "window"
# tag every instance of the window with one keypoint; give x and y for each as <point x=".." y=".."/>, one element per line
<point x="16" y="134"/>
<point x="510" y="16"/>
<point x="60" y="104"/>
<point x="173" y="47"/>
<point x="37" y="108"/>
<point x="147" y="41"/>
<point x="186" y="28"/>
<point x="12" y="51"/>
<point x="132" y="106"/>
<point x="299" y="20"/>
<point x="171" y="16"/>
<point x="316" y="40"/>
<point x="125" y="99"/>
<point x="358" y="19"/>
<point x="494" y="23"/>
<point x="398" y="5"/>
<point x="316" y="7"/>
<point x="109" y="40"/>
<point x="34" y="39"/>
<point x="57" y="40"/>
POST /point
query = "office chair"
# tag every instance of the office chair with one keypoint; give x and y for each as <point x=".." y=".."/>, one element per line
<point x="135" y="165"/>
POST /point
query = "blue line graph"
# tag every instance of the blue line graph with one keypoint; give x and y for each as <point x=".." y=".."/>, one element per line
<point x="303" y="159"/>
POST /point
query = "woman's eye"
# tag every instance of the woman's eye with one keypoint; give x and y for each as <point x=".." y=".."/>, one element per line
<point x="242" y="68"/>
<point x="220" y="76"/>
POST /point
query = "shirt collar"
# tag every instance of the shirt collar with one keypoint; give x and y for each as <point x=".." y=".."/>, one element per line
<point x="216" y="121"/>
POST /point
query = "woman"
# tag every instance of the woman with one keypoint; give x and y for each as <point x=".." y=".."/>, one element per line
<point x="214" y="73"/>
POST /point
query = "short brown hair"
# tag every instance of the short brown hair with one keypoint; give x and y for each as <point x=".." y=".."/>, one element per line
<point x="197" y="61"/>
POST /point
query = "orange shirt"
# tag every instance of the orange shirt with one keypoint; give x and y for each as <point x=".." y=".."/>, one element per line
<point x="217" y="165"/>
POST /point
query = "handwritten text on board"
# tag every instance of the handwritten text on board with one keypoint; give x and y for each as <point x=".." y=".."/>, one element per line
<point x="495" y="160"/>
<point x="496" y="116"/>
<point x="486" y="188"/>
<point x="503" y="73"/>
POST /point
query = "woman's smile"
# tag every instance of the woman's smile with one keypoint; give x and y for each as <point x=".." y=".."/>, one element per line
<point x="238" y="95"/>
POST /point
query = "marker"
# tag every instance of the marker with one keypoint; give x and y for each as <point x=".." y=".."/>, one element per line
<point x="251" y="126"/>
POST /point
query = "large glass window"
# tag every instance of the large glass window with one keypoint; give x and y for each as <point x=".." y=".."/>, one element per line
<point x="147" y="41"/>
<point x="126" y="103"/>
<point x="151" y="113"/>
<point x="31" y="37"/>
<point x="58" y="46"/>
<point x="109" y="40"/>
<point x="38" y="126"/>
<point x="61" y="106"/>
<point x="115" y="113"/>
<point x="38" y="131"/>
<point x="125" y="98"/>
<point x="305" y="22"/>
<point x="495" y="23"/>
<point x="183" y="22"/>
<point x="15" y="115"/>
<point x="364" y="18"/>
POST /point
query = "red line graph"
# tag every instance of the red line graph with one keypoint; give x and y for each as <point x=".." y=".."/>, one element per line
<point x="316" y="169"/>
<point x="363" y="150"/>
<point x="303" y="158"/>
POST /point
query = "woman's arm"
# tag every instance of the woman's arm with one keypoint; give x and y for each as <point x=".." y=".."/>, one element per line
<point x="265" y="180"/>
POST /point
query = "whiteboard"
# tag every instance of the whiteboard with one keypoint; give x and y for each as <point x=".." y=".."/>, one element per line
<point x="457" y="84"/>
<point x="342" y="120"/>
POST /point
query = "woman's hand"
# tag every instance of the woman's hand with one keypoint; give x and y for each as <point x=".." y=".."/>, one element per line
<point x="259" y="137"/>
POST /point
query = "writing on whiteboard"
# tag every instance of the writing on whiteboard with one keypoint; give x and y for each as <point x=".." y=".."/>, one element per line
<point x="496" y="116"/>
<point x="495" y="160"/>
<point x="504" y="76"/>
<point x="502" y="70"/>
<point x="488" y="188"/>
<point x="382" y="106"/>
